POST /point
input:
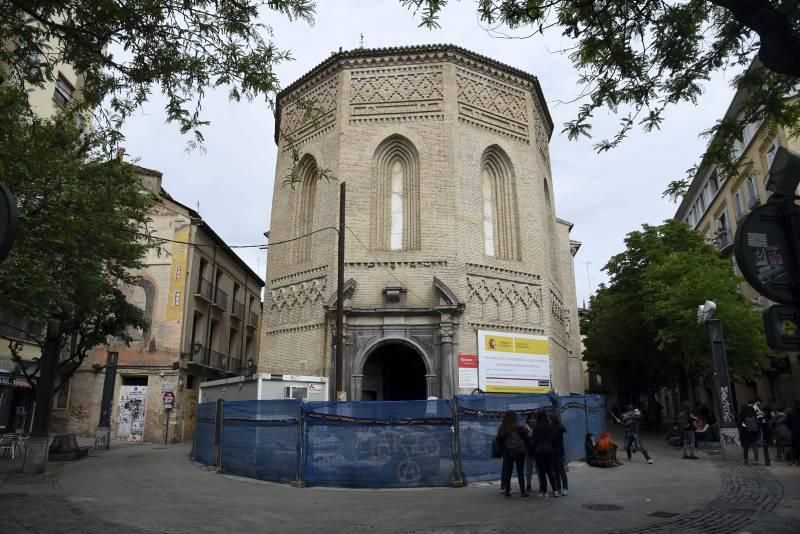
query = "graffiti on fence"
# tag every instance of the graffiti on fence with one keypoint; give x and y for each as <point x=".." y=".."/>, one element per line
<point x="401" y="447"/>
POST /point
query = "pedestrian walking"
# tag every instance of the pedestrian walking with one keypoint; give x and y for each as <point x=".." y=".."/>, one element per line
<point x="530" y="460"/>
<point x="750" y="431"/>
<point x="633" y="425"/>
<point x="543" y="443"/>
<point x="686" y="421"/>
<point x="513" y="440"/>
<point x="559" y="458"/>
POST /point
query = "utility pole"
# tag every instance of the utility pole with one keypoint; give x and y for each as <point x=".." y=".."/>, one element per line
<point x="340" y="393"/>
<point x="37" y="451"/>
<point x="102" y="437"/>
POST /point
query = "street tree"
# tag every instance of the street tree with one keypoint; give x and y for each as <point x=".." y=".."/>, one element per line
<point x="81" y="219"/>
<point x="642" y="326"/>
<point x="127" y="49"/>
<point x="637" y="59"/>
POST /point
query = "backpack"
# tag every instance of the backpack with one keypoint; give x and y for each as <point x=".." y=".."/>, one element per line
<point x="497" y="450"/>
<point x="514" y="445"/>
<point x="751" y="424"/>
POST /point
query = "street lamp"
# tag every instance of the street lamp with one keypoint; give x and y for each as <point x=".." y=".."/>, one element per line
<point x="250" y="367"/>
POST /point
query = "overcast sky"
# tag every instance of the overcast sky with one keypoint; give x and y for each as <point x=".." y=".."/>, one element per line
<point x="605" y="195"/>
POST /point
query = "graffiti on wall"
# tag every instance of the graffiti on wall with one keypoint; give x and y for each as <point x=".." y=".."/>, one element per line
<point x="130" y="424"/>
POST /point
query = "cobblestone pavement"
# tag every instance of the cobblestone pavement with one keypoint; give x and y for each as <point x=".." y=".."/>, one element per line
<point x="157" y="490"/>
<point x="746" y="494"/>
<point x="36" y="504"/>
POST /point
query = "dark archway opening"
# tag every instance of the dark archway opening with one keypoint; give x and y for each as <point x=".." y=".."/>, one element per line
<point x="393" y="372"/>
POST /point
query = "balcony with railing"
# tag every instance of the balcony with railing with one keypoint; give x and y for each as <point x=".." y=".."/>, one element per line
<point x="198" y="354"/>
<point x="238" y="310"/>
<point x="203" y="289"/>
<point x="221" y="299"/>
<point x="235" y="365"/>
<point x="252" y="320"/>
<point x="723" y="239"/>
<point x="218" y="360"/>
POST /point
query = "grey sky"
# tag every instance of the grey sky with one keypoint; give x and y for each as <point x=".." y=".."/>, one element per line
<point x="604" y="195"/>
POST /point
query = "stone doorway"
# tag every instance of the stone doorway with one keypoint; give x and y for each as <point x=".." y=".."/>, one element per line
<point x="392" y="372"/>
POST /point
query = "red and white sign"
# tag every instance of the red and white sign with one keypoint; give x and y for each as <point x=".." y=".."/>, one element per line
<point x="467" y="371"/>
<point x="169" y="400"/>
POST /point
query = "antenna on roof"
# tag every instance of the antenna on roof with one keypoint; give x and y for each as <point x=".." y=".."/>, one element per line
<point x="198" y="206"/>
<point x="361" y="44"/>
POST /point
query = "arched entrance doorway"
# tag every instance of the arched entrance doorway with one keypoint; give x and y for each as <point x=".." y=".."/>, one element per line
<point x="394" y="371"/>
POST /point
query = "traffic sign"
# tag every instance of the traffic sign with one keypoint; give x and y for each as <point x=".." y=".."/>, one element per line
<point x="169" y="400"/>
<point x="782" y="326"/>
<point x="764" y="251"/>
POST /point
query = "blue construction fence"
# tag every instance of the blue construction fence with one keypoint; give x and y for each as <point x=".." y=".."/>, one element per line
<point x="376" y="444"/>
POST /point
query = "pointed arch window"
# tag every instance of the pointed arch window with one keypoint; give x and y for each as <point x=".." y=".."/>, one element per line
<point x="395" y="196"/>
<point x="555" y="272"/>
<point x="500" y="218"/>
<point x="307" y="192"/>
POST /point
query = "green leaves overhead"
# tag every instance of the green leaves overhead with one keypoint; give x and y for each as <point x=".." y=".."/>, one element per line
<point x="638" y="58"/>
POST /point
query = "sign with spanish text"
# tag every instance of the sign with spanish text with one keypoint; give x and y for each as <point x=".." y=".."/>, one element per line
<point x="513" y="363"/>
<point x="467" y="371"/>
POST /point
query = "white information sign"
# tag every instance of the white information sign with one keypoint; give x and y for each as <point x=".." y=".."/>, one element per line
<point x="513" y="363"/>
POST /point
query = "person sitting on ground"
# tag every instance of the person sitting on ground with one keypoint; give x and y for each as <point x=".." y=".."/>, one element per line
<point x="780" y="428"/>
<point x="589" y="447"/>
<point x="605" y="454"/>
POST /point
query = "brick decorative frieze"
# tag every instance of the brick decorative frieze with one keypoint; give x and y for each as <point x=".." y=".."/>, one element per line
<point x="540" y="130"/>
<point x="559" y="315"/>
<point x="489" y="103"/>
<point x="401" y="93"/>
<point x="431" y="264"/>
<point x="505" y="327"/>
<point x="308" y="274"/>
<point x="502" y="273"/>
<point x="297" y="302"/>
<point x="299" y="125"/>
<point x="293" y="329"/>
<point x="503" y="301"/>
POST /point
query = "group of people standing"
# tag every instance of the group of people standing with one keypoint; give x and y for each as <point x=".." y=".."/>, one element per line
<point x="539" y="444"/>
<point x="759" y="426"/>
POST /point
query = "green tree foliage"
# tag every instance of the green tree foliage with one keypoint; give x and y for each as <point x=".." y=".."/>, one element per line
<point x="642" y="327"/>
<point x="638" y="58"/>
<point x="80" y="219"/>
<point x="127" y="48"/>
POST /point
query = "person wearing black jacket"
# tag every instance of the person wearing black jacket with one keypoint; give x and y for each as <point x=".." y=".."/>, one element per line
<point x="633" y="425"/>
<point x="750" y="431"/>
<point x="559" y="460"/>
<point x="543" y="448"/>
<point x="513" y="441"/>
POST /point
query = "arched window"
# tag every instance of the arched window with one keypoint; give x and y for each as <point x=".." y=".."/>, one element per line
<point x="395" y="196"/>
<point x="500" y="218"/>
<point x="307" y="192"/>
<point x="552" y="238"/>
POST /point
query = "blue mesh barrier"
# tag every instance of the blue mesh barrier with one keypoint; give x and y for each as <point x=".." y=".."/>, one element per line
<point x="261" y="439"/>
<point x="478" y="419"/>
<point x="203" y="446"/>
<point x="573" y="417"/>
<point x="596" y="411"/>
<point x="378" y="444"/>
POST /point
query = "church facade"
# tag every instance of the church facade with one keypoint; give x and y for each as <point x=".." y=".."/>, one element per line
<point x="450" y="222"/>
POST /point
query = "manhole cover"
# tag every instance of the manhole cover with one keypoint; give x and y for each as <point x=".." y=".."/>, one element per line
<point x="603" y="507"/>
<point x="665" y="515"/>
<point x="12" y="495"/>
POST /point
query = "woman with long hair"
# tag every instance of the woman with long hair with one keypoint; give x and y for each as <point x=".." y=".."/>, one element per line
<point x="559" y="456"/>
<point x="543" y="443"/>
<point x="513" y="440"/>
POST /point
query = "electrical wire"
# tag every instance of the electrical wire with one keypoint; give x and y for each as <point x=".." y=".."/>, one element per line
<point x="407" y="286"/>
<point x="261" y="246"/>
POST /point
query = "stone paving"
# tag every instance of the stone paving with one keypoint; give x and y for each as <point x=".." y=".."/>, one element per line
<point x="151" y="489"/>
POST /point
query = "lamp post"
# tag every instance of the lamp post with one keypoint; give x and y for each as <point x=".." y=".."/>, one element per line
<point x="723" y="395"/>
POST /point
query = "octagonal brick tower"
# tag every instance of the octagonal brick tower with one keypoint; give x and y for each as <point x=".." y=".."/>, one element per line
<point x="450" y="216"/>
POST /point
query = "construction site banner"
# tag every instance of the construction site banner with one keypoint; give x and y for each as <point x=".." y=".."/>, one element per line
<point x="513" y="363"/>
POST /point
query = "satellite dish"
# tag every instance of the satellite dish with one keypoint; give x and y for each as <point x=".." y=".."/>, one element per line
<point x="8" y="221"/>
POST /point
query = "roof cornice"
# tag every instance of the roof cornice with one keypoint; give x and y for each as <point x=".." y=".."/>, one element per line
<point x="361" y="57"/>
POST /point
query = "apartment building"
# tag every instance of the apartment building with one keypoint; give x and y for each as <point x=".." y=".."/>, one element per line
<point x="714" y="205"/>
<point x="203" y="305"/>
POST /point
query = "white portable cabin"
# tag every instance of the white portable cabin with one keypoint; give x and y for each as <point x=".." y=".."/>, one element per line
<point x="265" y="386"/>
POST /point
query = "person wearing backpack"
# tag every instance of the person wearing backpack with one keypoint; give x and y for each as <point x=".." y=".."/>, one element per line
<point x="750" y="431"/>
<point x="513" y="440"/>
<point x="543" y="444"/>
<point x="686" y="425"/>
<point x="559" y="458"/>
